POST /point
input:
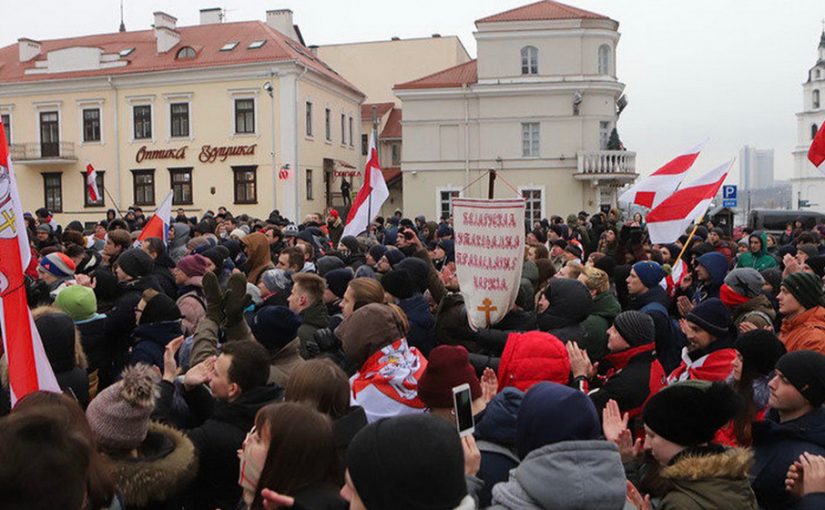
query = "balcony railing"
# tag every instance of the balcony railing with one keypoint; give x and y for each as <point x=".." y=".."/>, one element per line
<point x="606" y="165"/>
<point x="32" y="153"/>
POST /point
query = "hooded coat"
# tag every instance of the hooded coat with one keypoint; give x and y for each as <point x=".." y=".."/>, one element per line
<point x="717" y="266"/>
<point x="570" y="304"/>
<point x="805" y="331"/>
<point x="150" y="342"/>
<point x="760" y="260"/>
<point x="605" y="308"/>
<point x="668" y="344"/>
<point x="496" y="438"/>
<point x="177" y="248"/>
<point x="532" y="357"/>
<point x="259" y="259"/>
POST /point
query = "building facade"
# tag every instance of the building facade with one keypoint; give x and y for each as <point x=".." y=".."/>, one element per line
<point x="222" y="114"/>
<point x="537" y="105"/>
<point x="755" y="168"/>
<point x="808" y="182"/>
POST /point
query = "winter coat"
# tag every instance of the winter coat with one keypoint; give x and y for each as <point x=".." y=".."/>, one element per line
<point x="715" y="479"/>
<point x="762" y="259"/>
<point x="283" y="362"/>
<point x="192" y="303"/>
<point x="97" y="347"/>
<point x="805" y="331"/>
<point x="222" y="430"/>
<point x="120" y="319"/>
<point x="336" y="230"/>
<point x="162" y="271"/>
<point x="757" y="308"/>
<point x="605" y="308"/>
<point x="717" y="266"/>
<point x="629" y="377"/>
<point x="776" y="446"/>
<point x="177" y="248"/>
<point x="491" y="341"/>
<point x="495" y="436"/>
<point x="668" y="344"/>
<point x="565" y="476"/>
<point x="421" y="334"/>
<point x="313" y="318"/>
<point x="532" y="357"/>
<point x="149" y="342"/>
<point x="570" y="304"/>
<point x="713" y="363"/>
<point x="257" y="249"/>
<point x="158" y="478"/>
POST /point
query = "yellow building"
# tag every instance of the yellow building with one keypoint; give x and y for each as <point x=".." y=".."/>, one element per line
<point x="240" y="115"/>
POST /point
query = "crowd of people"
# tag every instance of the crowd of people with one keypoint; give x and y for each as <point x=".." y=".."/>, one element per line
<point x="246" y="363"/>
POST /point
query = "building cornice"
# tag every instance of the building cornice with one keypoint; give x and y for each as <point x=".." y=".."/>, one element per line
<point x="514" y="89"/>
<point x="533" y="34"/>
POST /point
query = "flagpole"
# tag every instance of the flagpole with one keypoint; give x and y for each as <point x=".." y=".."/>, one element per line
<point x="117" y="207"/>
<point x="375" y="139"/>
<point x="687" y="242"/>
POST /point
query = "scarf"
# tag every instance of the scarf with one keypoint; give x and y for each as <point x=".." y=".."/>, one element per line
<point x="730" y="297"/>
<point x="394" y="370"/>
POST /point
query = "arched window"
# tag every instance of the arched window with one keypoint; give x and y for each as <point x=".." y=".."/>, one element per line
<point x="604" y="59"/>
<point x="185" y="52"/>
<point x="814" y="129"/>
<point x="815" y="98"/>
<point x="529" y="60"/>
<point x="818" y="74"/>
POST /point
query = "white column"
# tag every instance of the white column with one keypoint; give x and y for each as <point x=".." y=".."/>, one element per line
<point x="288" y="94"/>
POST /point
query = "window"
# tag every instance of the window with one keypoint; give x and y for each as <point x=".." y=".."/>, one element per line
<point x="126" y="52"/>
<point x="818" y="74"/>
<point x="328" y="124"/>
<point x="179" y="115"/>
<point x="87" y="198"/>
<point x="814" y="129"/>
<point x="365" y="144"/>
<point x="604" y="134"/>
<point x="7" y="126"/>
<point x="532" y="206"/>
<point x="309" y="118"/>
<point x="396" y="154"/>
<point x="309" y="184"/>
<point x="445" y="202"/>
<point x="343" y="129"/>
<point x="254" y="45"/>
<point x="185" y="52"/>
<point x="229" y="46"/>
<point x="350" y="131"/>
<point x="181" y="180"/>
<point x="604" y="59"/>
<point x="244" y="116"/>
<point x="529" y="60"/>
<point x="143" y="186"/>
<point x="91" y="125"/>
<point x="142" y="115"/>
<point x="53" y="191"/>
<point x="246" y="178"/>
<point x="530" y="139"/>
<point x="816" y="98"/>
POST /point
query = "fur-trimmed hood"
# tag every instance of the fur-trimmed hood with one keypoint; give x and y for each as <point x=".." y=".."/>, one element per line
<point x="734" y="463"/>
<point x="707" y="479"/>
<point x="165" y="466"/>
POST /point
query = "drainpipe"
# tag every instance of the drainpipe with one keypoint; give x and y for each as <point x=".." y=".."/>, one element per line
<point x="297" y="133"/>
<point x="466" y="137"/>
<point x="117" y="143"/>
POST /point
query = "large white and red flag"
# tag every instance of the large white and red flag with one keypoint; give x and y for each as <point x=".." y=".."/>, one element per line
<point x="816" y="153"/>
<point x="29" y="368"/>
<point x="91" y="183"/>
<point x="371" y="196"/>
<point x="668" y="220"/>
<point x="158" y="224"/>
<point x="654" y="189"/>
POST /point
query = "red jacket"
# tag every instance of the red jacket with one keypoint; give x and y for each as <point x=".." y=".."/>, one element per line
<point x="533" y="357"/>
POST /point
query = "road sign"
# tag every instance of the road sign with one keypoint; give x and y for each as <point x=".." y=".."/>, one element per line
<point x="729" y="203"/>
<point x="729" y="195"/>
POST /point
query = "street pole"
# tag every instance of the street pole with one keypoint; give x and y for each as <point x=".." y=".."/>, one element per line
<point x="272" y="154"/>
<point x="375" y="137"/>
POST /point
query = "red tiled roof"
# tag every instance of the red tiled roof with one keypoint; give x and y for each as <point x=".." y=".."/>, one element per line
<point x="206" y="40"/>
<point x="392" y="129"/>
<point x="381" y="110"/>
<point x="462" y="74"/>
<point x="391" y="173"/>
<point x="541" y="10"/>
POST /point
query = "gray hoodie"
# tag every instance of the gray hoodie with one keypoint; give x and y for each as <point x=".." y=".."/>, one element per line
<point x="571" y="475"/>
<point x="177" y="248"/>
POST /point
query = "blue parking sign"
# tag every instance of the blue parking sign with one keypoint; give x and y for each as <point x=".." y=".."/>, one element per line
<point x="729" y="192"/>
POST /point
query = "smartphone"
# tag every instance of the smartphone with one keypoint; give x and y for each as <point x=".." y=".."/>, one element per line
<point x="463" y="408"/>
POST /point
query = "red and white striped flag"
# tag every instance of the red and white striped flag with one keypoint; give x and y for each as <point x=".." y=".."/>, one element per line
<point x="654" y="189"/>
<point x="91" y="183"/>
<point x="672" y="281"/>
<point x="158" y="224"/>
<point x="371" y="196"/>
<point x="668" y="220"/>
<point x="29" y="368"/>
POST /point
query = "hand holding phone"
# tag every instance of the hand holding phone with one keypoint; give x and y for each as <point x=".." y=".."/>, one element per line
<point x="463" y="409"/>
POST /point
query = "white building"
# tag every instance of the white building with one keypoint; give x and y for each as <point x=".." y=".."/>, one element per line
<point x="537" y="105"/>
<point x="808" y="182"/>
<point x="755" y="168"/>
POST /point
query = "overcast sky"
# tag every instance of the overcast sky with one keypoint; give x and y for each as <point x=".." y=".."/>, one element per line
<point x="728" y="70"/>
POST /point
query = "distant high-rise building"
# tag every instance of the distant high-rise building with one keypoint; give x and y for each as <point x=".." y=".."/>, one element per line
<point x="755" y="168"/>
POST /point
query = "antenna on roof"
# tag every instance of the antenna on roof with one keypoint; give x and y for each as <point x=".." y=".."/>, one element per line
<point x="122" y="25"/>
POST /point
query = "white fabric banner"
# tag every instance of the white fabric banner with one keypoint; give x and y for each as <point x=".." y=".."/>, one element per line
<point x="489" y="250"/>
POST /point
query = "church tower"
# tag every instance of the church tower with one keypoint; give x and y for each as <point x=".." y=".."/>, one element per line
<point x="808" y="182"/>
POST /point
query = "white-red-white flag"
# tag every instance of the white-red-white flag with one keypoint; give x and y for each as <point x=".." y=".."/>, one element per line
<point x="668" y="220"/>
<point x="371" y="196"/>
<point x="672" y="281"/>
<point x="158" y="224"/>
<point x="654" y="189"/>
<point x="91" y="183"/>
<point x="29" y="368"/>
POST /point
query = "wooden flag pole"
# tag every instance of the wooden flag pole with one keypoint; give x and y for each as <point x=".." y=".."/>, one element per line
<point x="687" y="242"/>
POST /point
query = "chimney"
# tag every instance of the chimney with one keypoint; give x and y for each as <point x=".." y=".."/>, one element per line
<point x="211" y="16"/>
<point x="280" y="20"/>
<point x="395" y="38"/>
<point x="314" y="49"/>
<point x="436" y="36"/>
<point x="166" y="36"/>
<point x="27" y="49"/>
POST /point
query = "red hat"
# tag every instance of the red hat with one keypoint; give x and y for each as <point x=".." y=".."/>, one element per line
<point x="447" y="367"/>
<point x="333" y="213"/>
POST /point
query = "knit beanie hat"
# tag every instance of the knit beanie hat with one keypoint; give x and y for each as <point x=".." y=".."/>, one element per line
<point x="338" y="279"/>
<point x="773" y="276"/>
<point x="119" y="415"/>
<point x="274" y="327"/>
<point x="540" y="235"/>
<point x="77" y="301"/>
<point x="159" y="308"/>
<point x="817" y="265"/>
<point x="351" y="243"/>
<point x="574" y="250"/>
<point x="58" y="264"/>
<point x="760" y="350"/>
<point x="394" y="256"/>
<point x="193" y="265"/>
<point x="447" y="367"/>
<point x="649" y="272"/>
<point x="745" y="281"/>
<point x="328" y="263"/>
<point x="808" y="249"/>
<point x="398" y="283"/>
<point x="806" y="371"/>
<point x="805" y="287"/>
<point x="418" y="269"/>
<point x="712" y="316"/>
<point x="135" y="262"/>
<point x="689" y="413"/>
<point x="636" y="327"/>
<point x="386" y="461"/>
<point x="217" y="255"/>
<point x="551" y="413"/>
<point x="444" y="230"/>
<point x="58" y="335"/>
<point x="606" y="264"/>
<point x="277" y="280"/>
<point x="377" y="251"/>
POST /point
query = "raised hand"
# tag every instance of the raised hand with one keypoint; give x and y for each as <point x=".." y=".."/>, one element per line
<point x="273" y="500"/>
<point x="200" y="373"/>
<point x="580" y="364"/>
<point x="170" y="366"/>
<point x="613" y="423"/>
<point x="472" y="456"/>
<point x="635" y="498"/>
<point x="489" y="384"/>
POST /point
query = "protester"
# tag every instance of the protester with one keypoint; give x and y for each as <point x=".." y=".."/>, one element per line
<point x="64" y="350"/>
<point x="306" y="300"/>
<point x="605" y="309"/>
<point x="709" y="353"/>
<point x="757" y="257"/>
<point x="800" y="303"/>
